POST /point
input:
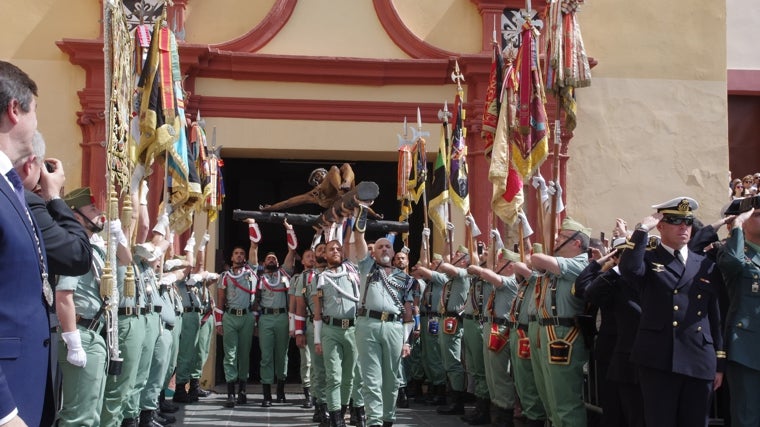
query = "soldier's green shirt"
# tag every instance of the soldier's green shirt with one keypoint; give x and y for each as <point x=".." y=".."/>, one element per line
<point x="189" y="294"/>
<point x="239" y="288"/>
<point x="340" y="291"/>
<point x="568" y="305"/>
<point x="476" y="299"/>
<point x="431" y="297"/>
<point x="273" y="289"/>
<point x="503" y="297"/>
<point x="460" y="286"/>
<point x="87" y="301"/>
<point x="374" y="295"/>
<point x="305" y="285"/>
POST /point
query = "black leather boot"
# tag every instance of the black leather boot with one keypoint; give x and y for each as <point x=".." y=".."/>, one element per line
<point x="502" y="417"/>
<point x="336" y="419"/>
<point x="482" y="413"/>
<point x="166" y="406"/>
<point x="387" y="424"/>
<point x="195" y="387"/>
<point x="456" y="407"/>
<point x="242" y="398"/>
<point x="280" y="391"/>
<point x="361" y="416"/>
<point x="164" y="419"/>
<point x="129" y="422"/>
<point x="267" y="392"/>
<point x="193" y="393"/>
<point x="317" y="417"/>
<point x="401" y="400"/>
<point x="307" y="404"/>
<point x="438" y="396"/>
<point x="230" y="402"/>
<point x="352" y="415"/>
<point x="180" y="393"/>
<point x="146" y="419"/>
<point x="535" y="423"/>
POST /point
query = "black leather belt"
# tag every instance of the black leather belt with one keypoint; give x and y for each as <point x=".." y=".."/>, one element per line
<point x="130" y="311"/>
<point x="152" y="309"/>
<point x="192" y="309"/>
<point x="532" y="318"/>
<point x="452" y="314"/>
<point x="556" y="321"/>
<point x="471" y="316"/>
<point x="341" y="323"/>
<point x="520" y="326"/>
<point x="273" y="310"/>
<point x="87" y="323"/>
<point x="499" y="320"/>
<point x="238" y="311"/>
<point x="380" y="315"/>
<point x="168" y="326"/>
<point x="428" y="313"/>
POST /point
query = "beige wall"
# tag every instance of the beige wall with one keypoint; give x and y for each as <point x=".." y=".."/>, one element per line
<point x="742" y="18"/>
<point x="651" y="127"/>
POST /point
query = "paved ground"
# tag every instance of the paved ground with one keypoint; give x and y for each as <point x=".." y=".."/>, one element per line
<point x="209" y="412"/>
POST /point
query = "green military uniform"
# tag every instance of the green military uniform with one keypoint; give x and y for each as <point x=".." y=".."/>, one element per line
<point x="131" y="337"/>
<point x="501" y="387"/>
<point x="381" y="334"/>
<point x="562" y="372"/>
<point x="151" y="324"/>
<point x="205" y="331"/>
<point x="431" y="351"/>
<point x="238" y="323"/>
<point x="191" y="321"/>
<point x="162" y="351"/>
<point x="338" y="291"/>
<point x="473" y="336"/>
<point x="179" y="322"/>
<point x="303" y="289"/>
<point x="451" y="305"/>
<point x="304" y="353"/>
<point x="522" y="310"/>
<point x="272" y="299"/>
<point x="83" y="387"/>
<point x="415" y="366"/>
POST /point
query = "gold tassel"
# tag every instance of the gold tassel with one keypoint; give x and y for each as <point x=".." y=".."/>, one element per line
<point x="126" y="214"/>
<point x="129" y="282"/>
<point x="106" y="282"/>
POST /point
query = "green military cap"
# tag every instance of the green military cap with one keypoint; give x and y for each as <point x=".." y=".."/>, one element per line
<point x="573" y="225"/>
<point x="79" y="198"/>
<point x="509" y="255"/>
<point x="437" y="257"/>
<point x="462" y="249"/>
<point x="679" y="206"/>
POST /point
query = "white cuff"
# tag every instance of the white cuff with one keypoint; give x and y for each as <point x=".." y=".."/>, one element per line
<point x="317" y="332"/>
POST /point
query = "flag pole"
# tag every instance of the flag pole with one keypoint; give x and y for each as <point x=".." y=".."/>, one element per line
<point x="457" y="77"/>
<point x="421" y="149"/>
<point x="555" y="179"/>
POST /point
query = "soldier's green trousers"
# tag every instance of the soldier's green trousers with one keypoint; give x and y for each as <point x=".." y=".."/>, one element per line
<point x="356" y="390"/>
<point x="162" y="353"/>
<point x="151" y="323"/>
<point x="118" y="387"/>
<point x="305" y="368"/>
<point x="179" y="323"/>
<point x="379" y="357"/>
<point x="83" y="387"/>
<point x="501" y="387"/>
<point x="273" y="340"/>
<point x="451" y="354"/>
<point x="473" y="347"/>
<point x="188" y="340"/>
<point x="317" y="366"/>
<point x="525" y="382"/>
<point x="339" y="353"/>
<point x="431" y="355"/>
<point x="202" y="347"/>
<point x="564" y="383"/>
<point x="238" y="334"/>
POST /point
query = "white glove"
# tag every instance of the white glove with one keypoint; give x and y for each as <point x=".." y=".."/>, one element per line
<point x="76" y="355"/>
<point x="114" y="228"/>
<point x="162" y="225"/>
<point x="205" y="239"/>
<point x="470" y="222"/>
<point x="168" y="279"/>
<point x="137" y="177"/>
<point x="497" y="238"/>
<point x="144" y="193"/>
<point x="539" y="183"/>
<point x="526" y="230"/>
<point x="190" y="245"/>
<point x="558" y="190"/>
<point x="450" y="226"/>
<point x="405" y="250"/>
<point x="194" y="278"/>
<point x="212" y="276"/>
<point x="173" y="264"/>
<point x="425" y="232"/>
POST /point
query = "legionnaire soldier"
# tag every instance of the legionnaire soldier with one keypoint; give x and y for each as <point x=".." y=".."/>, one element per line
<point x="206" y="328"/>
<point x="272" y="307"/>
<point x="499" y="292"/>
<point x="304" y="327"/>
<point x="386" y="301"/>
<point x="679" y="346"/>
<point x="308" y="261"/>
<point x="561" y="351"/>
<point x="80" y="309"/>
<point x="412" y="374"/>
<point x="455" y="283"/>
<point x="430" y="327"/>
<point x="234" y="318"/>
<point x="335" y="301"/>
<point x="740" y="263"/>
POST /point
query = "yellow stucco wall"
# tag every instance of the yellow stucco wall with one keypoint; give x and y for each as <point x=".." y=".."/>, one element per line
<point x="743" y="32"/>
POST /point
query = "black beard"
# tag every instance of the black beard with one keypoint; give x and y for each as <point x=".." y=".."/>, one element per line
<point x="94" y="228"/>
<point x="270" y="268"/>
<point x="321" y="260"/>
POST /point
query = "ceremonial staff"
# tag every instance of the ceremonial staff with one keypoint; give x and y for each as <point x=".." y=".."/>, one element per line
<point x="419" y="136"/>
<point x="444" y="115"/>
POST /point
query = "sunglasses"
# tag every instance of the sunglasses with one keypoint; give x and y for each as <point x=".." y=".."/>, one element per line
<point x="677" y="220"/>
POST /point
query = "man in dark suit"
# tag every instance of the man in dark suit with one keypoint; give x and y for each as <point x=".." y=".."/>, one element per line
<point x="24" y="328"/>
<point x="67" y="247"/>
<point x="679" y="345"/>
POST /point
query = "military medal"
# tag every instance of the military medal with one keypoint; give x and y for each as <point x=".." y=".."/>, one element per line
<point x="755" y="287"/>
